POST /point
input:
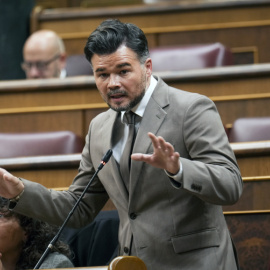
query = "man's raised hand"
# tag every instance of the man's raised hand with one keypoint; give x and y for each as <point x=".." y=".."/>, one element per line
<point x="10" y="186"/>
<point x="164" y="156"/>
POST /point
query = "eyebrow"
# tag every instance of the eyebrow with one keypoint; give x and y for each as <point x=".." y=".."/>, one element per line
<point x="118" y="66"/>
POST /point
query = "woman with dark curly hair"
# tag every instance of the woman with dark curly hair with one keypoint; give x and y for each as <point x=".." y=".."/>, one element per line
<point x="23" y="240"/>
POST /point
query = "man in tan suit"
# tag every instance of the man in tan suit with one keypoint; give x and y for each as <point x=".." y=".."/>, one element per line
<point x="181" y="173"/>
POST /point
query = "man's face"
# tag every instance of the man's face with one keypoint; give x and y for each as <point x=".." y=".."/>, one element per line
<point x="42" y="62"/>
<point x="120" y="78"/>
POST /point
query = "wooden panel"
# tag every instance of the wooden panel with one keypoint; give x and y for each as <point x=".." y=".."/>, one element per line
<point x="236" y="24"/>
<point x="260" y="151"/>
<point x="59" y="171"/>
<point x="255" y="195"/>
<point x="253" y="158"/>
<point x="230" y="110"/>
<point x="250" y="232"/>
<point x="44" y="121"/>
<point x="77" y="119"/>
<point x="70" y="104"/>
<point x="236" y="38"/>
<point x="254" y="166"/>
<point x="48" y="92"/>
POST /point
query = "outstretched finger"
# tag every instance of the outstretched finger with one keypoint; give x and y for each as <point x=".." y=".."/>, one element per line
<point x="141" y="157"/>
<point x="170" y="149"/>
<point x="154" y="140"/>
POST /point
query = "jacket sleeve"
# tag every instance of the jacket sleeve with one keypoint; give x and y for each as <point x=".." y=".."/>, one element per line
<point x="211" y="171"/>
<point x="54" y="206"/>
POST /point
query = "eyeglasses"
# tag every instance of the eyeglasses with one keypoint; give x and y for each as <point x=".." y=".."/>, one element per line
<point x="40" y="65"/>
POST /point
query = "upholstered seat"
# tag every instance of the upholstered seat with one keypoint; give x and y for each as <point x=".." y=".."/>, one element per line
<point x="39" y="143"/>
<point x="179" y="58"/>
<point x="250" y="129"/>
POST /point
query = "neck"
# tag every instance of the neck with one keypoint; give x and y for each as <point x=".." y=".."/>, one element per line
<point x="148" y="83"/>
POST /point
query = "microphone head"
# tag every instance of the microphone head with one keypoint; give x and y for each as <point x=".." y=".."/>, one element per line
<point x="105" y="159"/>
<point x="107" y="156"/>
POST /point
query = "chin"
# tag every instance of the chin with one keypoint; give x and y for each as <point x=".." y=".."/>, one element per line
<point x="119" y="108"/>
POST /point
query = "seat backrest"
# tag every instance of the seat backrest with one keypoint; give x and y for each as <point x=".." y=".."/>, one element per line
<point x="39" y="144"/>
<point x="77" y="65"/>
<point x="250" y="129"/>
<point x="179" y="58"/>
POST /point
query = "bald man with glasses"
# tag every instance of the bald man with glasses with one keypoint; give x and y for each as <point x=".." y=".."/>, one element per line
<point x="44" y="56"/>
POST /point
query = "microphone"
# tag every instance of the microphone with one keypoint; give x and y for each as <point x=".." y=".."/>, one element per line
<point x="103" y="161"/>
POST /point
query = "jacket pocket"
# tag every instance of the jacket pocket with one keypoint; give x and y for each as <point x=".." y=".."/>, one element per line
<point x="196" y="240"/>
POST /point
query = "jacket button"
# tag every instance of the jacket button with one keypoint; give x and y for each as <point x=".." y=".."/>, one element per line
<point x="133" y="216"/>
<point x="126" y="250"/>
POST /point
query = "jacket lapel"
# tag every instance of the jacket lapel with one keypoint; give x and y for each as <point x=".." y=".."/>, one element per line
<point x="107" y="132"/>
<point x="152" y="120"/>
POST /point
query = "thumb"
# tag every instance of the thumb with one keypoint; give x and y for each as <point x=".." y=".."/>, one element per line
<point x="10" y="178"/>
<point x="10" y="186"/>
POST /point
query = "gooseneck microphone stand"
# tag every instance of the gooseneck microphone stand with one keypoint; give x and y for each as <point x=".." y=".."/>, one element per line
<point x="104" y="160"/>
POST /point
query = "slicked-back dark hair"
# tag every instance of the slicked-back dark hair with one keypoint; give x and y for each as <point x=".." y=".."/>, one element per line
<point x="111" y="34"/>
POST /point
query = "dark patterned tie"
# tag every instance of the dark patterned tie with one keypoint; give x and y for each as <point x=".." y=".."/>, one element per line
<point x="125" y="158"/>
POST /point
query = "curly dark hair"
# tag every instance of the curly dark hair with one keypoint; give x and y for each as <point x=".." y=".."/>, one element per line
<point x="39" y="235"/>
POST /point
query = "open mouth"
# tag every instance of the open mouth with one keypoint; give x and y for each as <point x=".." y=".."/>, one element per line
<point x="117" y="96"/>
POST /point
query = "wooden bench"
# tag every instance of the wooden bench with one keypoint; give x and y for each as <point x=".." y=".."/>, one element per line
<point x="240" y="25"/>
<point x="253" y="159"/>
<point x="71" y="103"/>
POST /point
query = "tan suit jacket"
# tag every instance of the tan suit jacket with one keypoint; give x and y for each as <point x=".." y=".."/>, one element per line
<point x="173" y="226"/>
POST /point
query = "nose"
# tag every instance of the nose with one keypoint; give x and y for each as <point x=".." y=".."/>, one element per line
<point x="33" y="72"/>
<point x="114" y="81"/>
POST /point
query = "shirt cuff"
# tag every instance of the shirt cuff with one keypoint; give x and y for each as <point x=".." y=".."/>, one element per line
<point x="176" y="179"/>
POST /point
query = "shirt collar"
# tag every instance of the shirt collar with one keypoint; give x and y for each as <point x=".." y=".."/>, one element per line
<point x="63" y="74"/>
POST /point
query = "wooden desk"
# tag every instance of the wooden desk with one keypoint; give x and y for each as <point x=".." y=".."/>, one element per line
<point x="253" y="158"/>
<point x="120" y="263"/>
<point x="255" y="195"/>
<point x="71" y="103"/>
<point x="58" y="172"/>
<point x="243" y="25"/>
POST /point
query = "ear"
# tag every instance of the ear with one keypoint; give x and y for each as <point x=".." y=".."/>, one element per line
<point x="148" y="66"/>
<point x="63" y="60"/>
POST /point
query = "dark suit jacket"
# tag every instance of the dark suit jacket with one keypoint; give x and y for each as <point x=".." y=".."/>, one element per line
<point x="172" y="227"/>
